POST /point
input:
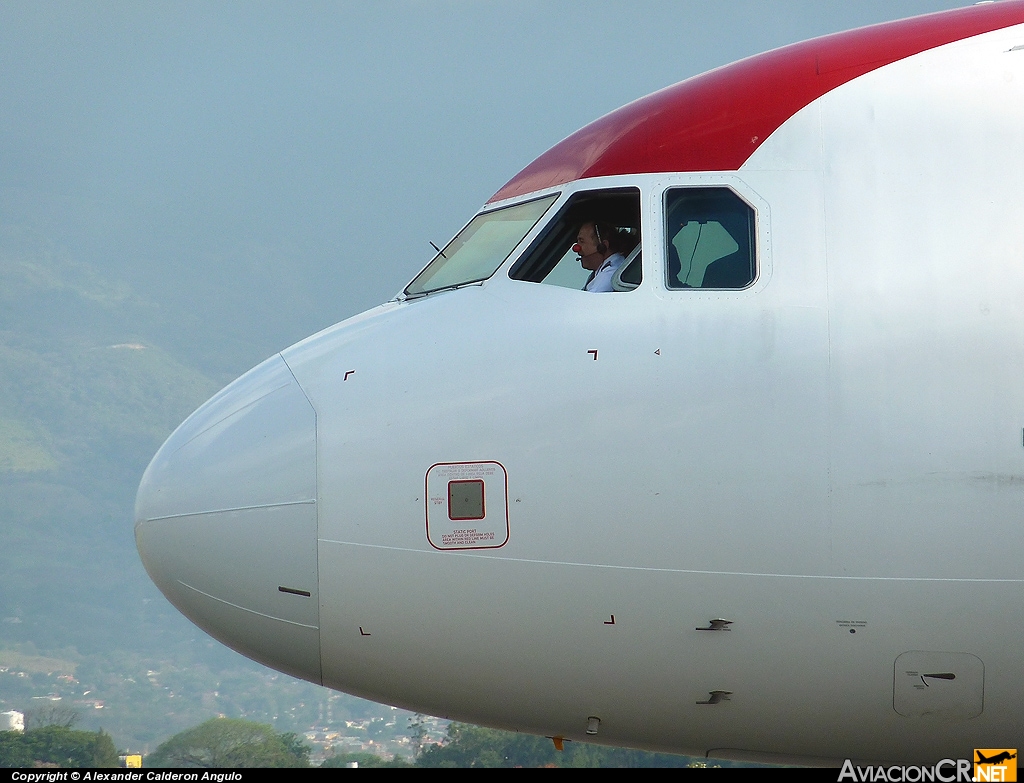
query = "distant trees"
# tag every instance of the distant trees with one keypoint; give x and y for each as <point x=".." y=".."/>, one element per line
<point x="417" y="733"/>
<point x="474" y="746"/>
<point x="14" y="752"/>
<point x="364" y="760"/>
<point x="49" y="739"/>
<point x="57" y="745"/>
<point x="51" y="715"/>
<point x="231" y="742"/>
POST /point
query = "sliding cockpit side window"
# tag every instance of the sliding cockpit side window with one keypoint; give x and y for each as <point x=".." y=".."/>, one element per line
<point x="709" y="236"/>
<point x="608" y="218"/>
<point x="480" y="248"/>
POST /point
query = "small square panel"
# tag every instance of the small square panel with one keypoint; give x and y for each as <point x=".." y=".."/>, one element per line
<point x="466" y="499"/>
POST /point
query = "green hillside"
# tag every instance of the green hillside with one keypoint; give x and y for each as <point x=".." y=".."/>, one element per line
<point x="88" y="395"/>
<point x="95" y="375"/>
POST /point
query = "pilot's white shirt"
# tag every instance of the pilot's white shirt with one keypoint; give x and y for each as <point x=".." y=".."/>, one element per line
<point x="602" y="280"/>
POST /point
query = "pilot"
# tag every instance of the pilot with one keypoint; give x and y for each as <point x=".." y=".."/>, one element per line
<point x="601" y="249"/>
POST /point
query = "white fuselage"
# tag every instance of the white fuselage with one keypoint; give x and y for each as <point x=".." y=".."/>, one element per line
<point x="831" y="459"/>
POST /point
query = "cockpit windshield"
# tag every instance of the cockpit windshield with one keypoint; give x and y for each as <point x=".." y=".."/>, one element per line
<point x="480" y="248"/>
<point x="611" y="219"/>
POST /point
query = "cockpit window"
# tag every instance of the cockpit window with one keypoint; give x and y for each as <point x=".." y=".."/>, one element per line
<point x="710" y="233"/>
<point x="554" y="257"/>
<point x="480" y="248"/>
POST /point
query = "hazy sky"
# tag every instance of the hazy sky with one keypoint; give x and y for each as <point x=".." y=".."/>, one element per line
<point x="258" y="141"/>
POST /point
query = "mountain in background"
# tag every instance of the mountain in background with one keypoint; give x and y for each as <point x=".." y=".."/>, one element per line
<point x="97" y="369"/>
<point x="89" y="392"/>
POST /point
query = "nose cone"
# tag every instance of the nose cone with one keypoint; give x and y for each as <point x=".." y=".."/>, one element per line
<point x="226" y="520"/>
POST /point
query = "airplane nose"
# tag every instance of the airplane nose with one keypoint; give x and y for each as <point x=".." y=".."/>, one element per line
<point x="226" y="520"/>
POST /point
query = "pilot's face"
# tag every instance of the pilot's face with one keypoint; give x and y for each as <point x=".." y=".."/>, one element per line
<point x="586" y="247"/>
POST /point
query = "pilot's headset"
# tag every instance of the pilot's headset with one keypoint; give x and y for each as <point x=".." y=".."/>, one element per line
<point x="602" y="245"/>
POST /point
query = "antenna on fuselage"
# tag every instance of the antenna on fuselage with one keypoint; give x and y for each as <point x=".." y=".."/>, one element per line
<point x="439" y="250"/>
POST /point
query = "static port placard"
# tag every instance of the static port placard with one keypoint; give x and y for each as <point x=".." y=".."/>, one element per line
<point x="467" y="505"/>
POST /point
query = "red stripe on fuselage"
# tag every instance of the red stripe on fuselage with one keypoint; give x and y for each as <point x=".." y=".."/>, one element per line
<point x="715" y="121"/>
